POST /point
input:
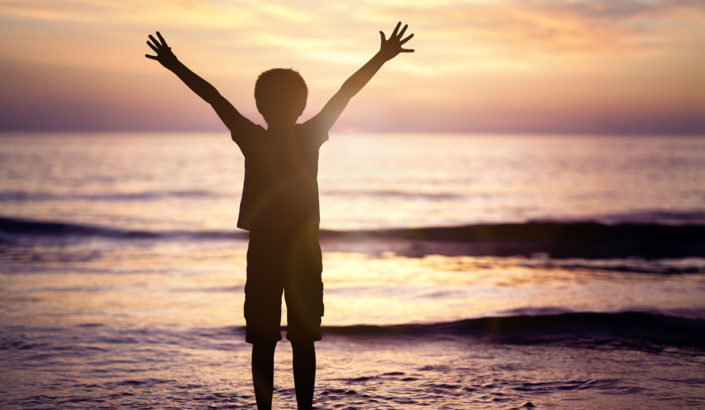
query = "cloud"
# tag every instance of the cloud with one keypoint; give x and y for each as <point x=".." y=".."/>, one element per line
<point x="204" y="14"/>
<point x="616" y="10"/>
<point x="500" y="30"/>
<point x="556" y="27"/>
<point x="498" y="59"/>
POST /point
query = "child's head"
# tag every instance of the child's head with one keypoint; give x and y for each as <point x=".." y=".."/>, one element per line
<point x="280" y="94"/>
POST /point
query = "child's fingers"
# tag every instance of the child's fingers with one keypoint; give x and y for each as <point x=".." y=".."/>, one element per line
<point x="152" y="57"/>
<point x="407" y="50"/>
<point x="406" y="39"/>
<point x="162" y="39"/>
<point x="403" y="30"/>
<point x="153" y="47"/>
<point x="381" y="34"/>
<point x="154" y="40"/>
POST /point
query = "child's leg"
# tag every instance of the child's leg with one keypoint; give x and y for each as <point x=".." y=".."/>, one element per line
<point x="304" y="373"/>
<point x="263" y="373"/>
<point x="263" y="293"/>
<point x="304" y="301"/>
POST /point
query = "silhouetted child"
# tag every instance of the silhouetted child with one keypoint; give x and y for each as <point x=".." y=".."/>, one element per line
<point x="280" y="208"/>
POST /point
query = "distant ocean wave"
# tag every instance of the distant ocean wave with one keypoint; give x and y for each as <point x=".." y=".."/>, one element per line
<point x="552" y="328"/>
<point x="558" y="239"/>
<point x="18" y="227"/>
<point x="20" y="195"/>
<point x="593" y="329"/>
<point x="388" y="193"/>
<point x="669" y="217"/>
<point x="6" y="196"/>
<point x="630" y="329"/>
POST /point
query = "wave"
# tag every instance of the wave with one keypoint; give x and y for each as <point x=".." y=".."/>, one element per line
<point x="632" y="329"/>
<point x="558" y="328"/>
<point x="7" y="196"/>
<point x="18" y="227"/>
<point x="554" y="238"/>
<point x="559" y="239"/>
<point x="388" y="193"/>
<point x="629" y="329"/>
<point x="655" y="215"/>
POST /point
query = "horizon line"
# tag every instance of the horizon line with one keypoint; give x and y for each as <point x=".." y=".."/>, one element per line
<point x="700" y="133"/>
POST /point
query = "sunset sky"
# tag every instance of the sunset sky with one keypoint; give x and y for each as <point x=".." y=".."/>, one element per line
<point x="600" y="66"/>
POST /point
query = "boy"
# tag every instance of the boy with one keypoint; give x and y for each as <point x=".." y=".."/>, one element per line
<point x="280" y="208"/>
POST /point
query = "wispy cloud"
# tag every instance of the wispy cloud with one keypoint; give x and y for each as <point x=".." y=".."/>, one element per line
<point x="554" y="26"/>
<point x="502" y="30"/>
<point x="534" y="59"/>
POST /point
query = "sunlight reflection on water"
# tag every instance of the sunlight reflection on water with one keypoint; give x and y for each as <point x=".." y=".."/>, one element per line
<point x="118" y="319"/>
<point x="193" y="181"/>
<point x="201" y="284"/>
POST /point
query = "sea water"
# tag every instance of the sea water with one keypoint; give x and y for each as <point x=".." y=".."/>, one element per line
<point x="567" y="271"/>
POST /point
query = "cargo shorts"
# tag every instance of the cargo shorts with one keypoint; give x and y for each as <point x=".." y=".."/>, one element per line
<point x="284" y="261"/>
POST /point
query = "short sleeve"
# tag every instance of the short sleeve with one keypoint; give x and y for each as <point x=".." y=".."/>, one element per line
<point x="315" y="132"/>
<point x="243" y="132"/>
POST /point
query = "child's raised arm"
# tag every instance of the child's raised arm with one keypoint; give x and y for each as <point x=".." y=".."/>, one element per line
<point x="388" y="49"/>
<point x="227" y="113"/>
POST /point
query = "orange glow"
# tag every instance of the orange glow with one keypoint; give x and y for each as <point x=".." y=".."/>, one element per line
<point x="488" y="66"/>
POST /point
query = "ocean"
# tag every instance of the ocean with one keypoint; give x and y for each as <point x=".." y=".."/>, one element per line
<point x="460" y="271"/>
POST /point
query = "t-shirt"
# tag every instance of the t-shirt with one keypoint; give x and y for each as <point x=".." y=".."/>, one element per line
<point x="281" y="175"/>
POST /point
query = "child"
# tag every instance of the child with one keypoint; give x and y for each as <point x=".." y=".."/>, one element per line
<point x="280" y="208"/>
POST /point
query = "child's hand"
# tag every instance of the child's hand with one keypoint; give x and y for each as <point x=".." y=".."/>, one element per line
<point x="164" y="54"/>
<point x="390" y="48"/>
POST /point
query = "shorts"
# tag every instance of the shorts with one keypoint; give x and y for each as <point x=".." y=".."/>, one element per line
<point x="284" y="261"/>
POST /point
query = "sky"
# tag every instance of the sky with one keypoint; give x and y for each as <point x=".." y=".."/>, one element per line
<point x="504" y="66"/>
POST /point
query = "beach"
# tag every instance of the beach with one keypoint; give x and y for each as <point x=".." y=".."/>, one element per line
<point x="460" y="271"/>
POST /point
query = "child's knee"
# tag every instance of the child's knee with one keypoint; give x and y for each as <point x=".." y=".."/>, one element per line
<point x="263" y="347"/>
<point x="302" y="346"/>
